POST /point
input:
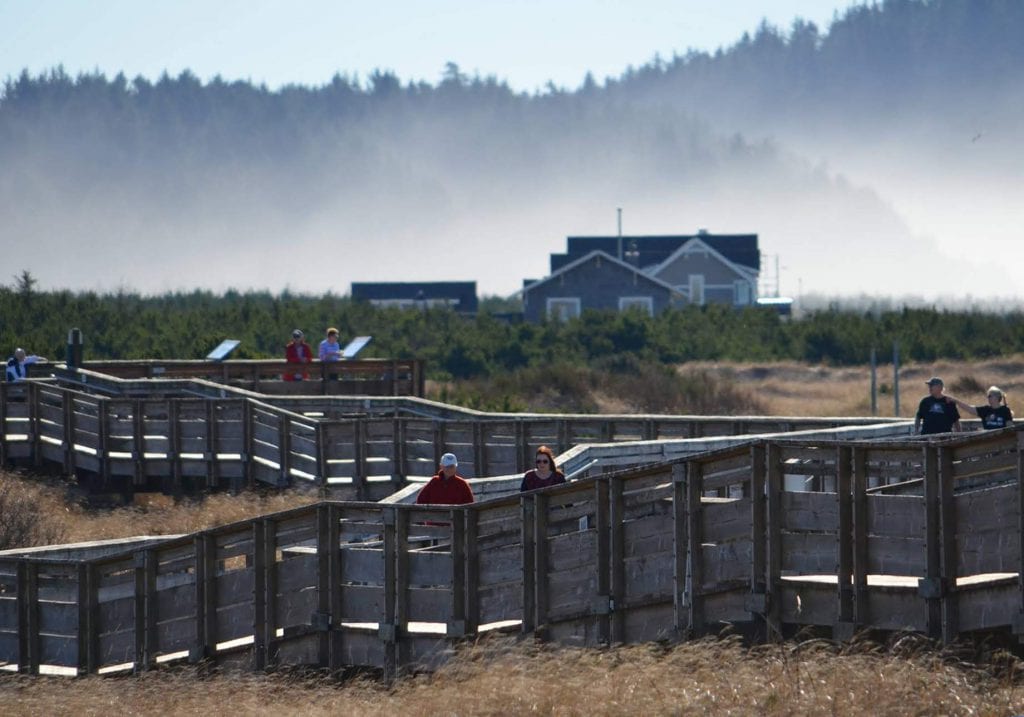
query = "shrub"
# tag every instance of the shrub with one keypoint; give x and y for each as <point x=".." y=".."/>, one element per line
<point x="25" y="520"/>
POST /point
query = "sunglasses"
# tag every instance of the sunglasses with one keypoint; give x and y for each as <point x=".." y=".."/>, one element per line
<point x="543" y="460"/>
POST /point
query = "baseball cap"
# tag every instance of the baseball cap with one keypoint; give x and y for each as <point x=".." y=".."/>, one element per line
<point x="449" y="459"/>
<point x="935" y="381"/>
<point x="297" y="334"/>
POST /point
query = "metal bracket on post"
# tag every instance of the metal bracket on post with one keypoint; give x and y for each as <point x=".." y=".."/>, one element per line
<point x="603" y="605"/>
<point x="387" y="632"/>
<point x="456" y="628"/>
<point x="320" y="621"/>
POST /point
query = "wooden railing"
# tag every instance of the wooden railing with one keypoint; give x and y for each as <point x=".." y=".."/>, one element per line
<point x="162" y="436"/>
<point x="355" y="377"/>
<point x="769" y="537"/>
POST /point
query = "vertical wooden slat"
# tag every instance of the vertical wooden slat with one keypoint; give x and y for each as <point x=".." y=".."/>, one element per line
<point x="249" y="441"/>
<point x="540" y="565"/>
<point x="334" y="587"/>
<point x="773" y="544"/>
<point x="174" y="445"/>
<point x="259" y="597"/>
<point x="694" y="540"/>
<point x="457" y="617"/>
<point x="139" y="442"/>
<point x="360" y="465"/>
<point x="844" y="497"/>
<point x="930" y="588"/>
<point x="68" y="405"/>
<point x="28" y="617"/>
<point x="680" y="540"/>
<point x="949" y="562"/>
<point x="270" y="585"/>
<point x="388" y="629"/>
<point x="145" y="610"/>
<point x="604" y="589"/>
<point x="324" y="548"/>
<point x="859" y="507"/>
<point x="526" y="508"/>
<point x="759" y="544"/>
<point x="472" y="558"/>
<point x="87" y="627"/>
<point x="617" y="560"/>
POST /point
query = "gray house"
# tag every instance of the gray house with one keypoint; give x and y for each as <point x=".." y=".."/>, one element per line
<point x="699" y="269"/>
<point x="596" y="281"/>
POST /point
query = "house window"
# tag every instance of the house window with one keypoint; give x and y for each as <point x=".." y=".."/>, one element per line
<point x="563" y="308"/>
<point x="697" y="289"/>
<point x="741" y="293"/>
<point x="641" y="303"/>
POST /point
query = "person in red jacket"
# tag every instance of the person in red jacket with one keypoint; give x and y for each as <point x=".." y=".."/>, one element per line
<point x="446" y="488"/>
<point x="297" y="351"/>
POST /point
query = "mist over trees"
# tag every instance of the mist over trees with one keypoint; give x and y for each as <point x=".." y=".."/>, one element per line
<point x="175" y="183"/>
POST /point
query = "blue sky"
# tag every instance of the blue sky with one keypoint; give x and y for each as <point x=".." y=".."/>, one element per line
<point x="525" y="42"/>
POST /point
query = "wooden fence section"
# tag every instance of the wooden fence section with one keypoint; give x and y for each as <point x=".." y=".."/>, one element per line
<point x="771" y="536"/>
<point x="163" y="436"/>
<point x="355" y="377"/>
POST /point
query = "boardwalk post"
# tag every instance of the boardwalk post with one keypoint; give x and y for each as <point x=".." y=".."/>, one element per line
<point x="859" y="482"/>
<point x="540" y="566"/>
<point x="28" y="617"/>
<point x="844" y="627"/>
<point x="694" y="549"/>
<point x="259" y="594"/>
<point x="88" y="638"/>
<point x="68" y="406"/>
<point x="145" y="610"/>
<point x="949" y="562"/>
<point x="930" y="587"/>
<point x="603" y="603"/>
<point x="324" y="619"/>
<point x="1018" y="623"/>
<point x="472" y="558"/>
<point x="457" y="618"/>
<point x="526" y="508"/>
<point x="680" y="544"/>
<point x="388" y="628"/>
<point x="617" y="559"/>
<point x="773" y="541"/>
<point x="757" y="603"/>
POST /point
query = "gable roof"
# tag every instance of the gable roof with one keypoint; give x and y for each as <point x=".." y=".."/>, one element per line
<point x="696" y="245"/>
<point x="652" y="250"/>
<point x="612" y="260"/>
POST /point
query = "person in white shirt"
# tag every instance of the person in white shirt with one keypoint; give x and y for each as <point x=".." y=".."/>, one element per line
<point x="16" y="364"/>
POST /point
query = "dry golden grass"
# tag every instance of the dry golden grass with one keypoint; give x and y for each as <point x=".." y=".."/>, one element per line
<point x="794" y="389"/>
<point x="712" y="677"/>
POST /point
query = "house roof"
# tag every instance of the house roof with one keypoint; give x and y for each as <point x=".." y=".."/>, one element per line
<point x="699" y="244"/>
<point x="611" y="259"/>
<point x="652" y="250"/>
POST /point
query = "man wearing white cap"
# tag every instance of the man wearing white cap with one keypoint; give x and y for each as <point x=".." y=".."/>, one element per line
<point x="447" y="487"/>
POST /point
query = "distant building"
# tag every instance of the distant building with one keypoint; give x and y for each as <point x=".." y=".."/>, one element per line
<point x="458" y="295"/>
<point x="646" y="272"/>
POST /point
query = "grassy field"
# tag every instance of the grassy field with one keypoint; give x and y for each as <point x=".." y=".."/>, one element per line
<point x="716" y="677"/>
<point x="707" y="677"/>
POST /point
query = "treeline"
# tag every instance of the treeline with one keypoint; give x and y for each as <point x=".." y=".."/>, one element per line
<point x="188" y="325"/>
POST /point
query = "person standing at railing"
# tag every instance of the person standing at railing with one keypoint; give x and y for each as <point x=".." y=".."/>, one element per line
<point x="298" y="351"/>
<point x="995" y="415"/>
<point x="545" y="473"/>
<point x="330" y="350"/>
<point x="447" y="487"/>
<point x="936" y="414"/>
<point x="16" y="364"/>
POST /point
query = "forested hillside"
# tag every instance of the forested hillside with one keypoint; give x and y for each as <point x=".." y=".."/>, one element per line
<point x="172" y="183"/>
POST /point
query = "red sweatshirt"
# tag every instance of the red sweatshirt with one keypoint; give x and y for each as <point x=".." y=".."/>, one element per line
<point x="445" y="491"/>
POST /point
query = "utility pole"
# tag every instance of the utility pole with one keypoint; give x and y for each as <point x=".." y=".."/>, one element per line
<point x="619" y="212"/>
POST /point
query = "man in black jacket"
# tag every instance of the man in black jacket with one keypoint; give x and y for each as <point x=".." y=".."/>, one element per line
<point x="935" y="414"/>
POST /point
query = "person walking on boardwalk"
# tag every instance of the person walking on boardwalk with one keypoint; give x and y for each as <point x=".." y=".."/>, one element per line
<point x="935" y="414"/>
<point x="544" y="474"/>
<point x="994" y="415"/>
<point x="297" y="351"/>
<point x="16" y="364"/>
<point x="447" y="487"/>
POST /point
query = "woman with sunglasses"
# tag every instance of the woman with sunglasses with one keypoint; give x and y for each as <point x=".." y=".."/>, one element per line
<point x="995" y="415"/>
<point x="544" y="474"/>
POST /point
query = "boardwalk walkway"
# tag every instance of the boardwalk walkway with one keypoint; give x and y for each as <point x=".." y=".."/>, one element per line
<point x="771" y="535"/>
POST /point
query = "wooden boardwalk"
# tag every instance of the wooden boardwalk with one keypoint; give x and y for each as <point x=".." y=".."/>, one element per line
<point x="771" y="536"/>
<point x="183" y="436"/>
